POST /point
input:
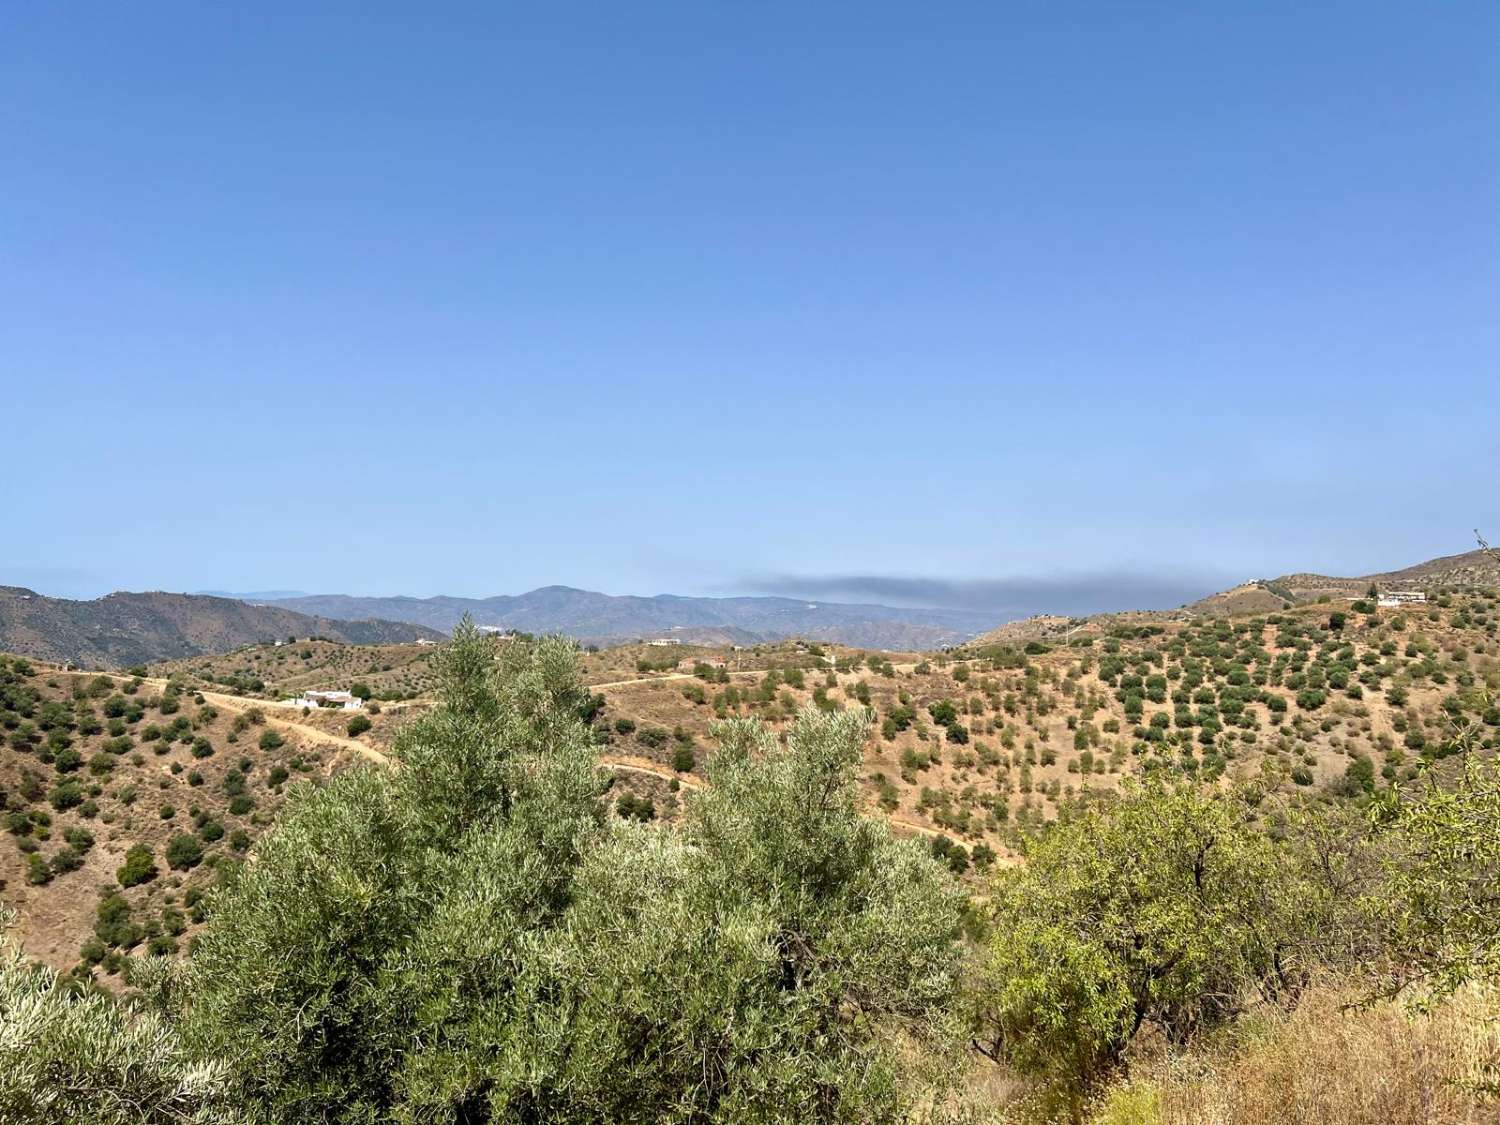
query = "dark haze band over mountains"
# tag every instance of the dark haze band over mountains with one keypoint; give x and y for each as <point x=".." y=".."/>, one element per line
<point x="1009" y="598"/>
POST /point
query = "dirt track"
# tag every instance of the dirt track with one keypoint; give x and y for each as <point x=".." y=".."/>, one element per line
<point x="627" y="764"/>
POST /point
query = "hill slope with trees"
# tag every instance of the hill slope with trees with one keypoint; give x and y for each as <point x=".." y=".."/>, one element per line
<point x="124" y="629"/>
<point x="472" y="937"/>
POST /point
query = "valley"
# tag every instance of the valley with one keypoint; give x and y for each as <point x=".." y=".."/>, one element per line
<point x="975" y="748"/>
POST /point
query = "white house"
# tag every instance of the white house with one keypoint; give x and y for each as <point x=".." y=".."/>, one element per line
<point x="1393" y="599"/>
<point x="331" y="700"/>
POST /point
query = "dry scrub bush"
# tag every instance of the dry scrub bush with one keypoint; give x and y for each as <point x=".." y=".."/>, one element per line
<point x="1323" y="1065"/>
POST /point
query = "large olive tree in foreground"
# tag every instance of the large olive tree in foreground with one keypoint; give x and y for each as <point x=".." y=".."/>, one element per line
<point x="466" y="938"/>
<point x="69" y="1055"/>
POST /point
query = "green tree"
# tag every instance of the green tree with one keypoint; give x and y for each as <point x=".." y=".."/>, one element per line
<point x="1442" y="912"/>
<point x="766" y="961"/>
<point x="73" y="1054"/>
<point x="339" y="940"/>
<point x="1160" y="908"/>
<point x="139" y="867"/>
<point x="184" y="851"/>
<point x="469" y="938"/>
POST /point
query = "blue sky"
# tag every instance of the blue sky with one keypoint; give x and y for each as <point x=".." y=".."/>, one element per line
<point x="712" y="298"/>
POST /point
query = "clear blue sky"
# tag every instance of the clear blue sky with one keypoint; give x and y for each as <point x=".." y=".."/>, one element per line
<point x="467" y="299"/>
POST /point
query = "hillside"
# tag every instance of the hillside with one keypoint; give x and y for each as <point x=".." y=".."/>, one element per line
<point x="127" y="798"/>
<point x="124" y="629"/>
<point x="97" y="765"/>
<point x="592" y="617"/>
<point x="1468" y="571"/>
<point x="1471" y="569"/>
<point x="991" y="738"/>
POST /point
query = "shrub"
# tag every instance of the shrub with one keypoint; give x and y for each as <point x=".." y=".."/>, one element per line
<point x="358" y="725"/>
<point x="79" y="838"/>
<point x="184" y="852"/>
<point x="65" y="795"/>
<point x="112" y="924"/>
<point x="631" y="807"/>
<point x="139" y="867"/>
<point x="683" y="759"/>
<point x="1145" y="912"/>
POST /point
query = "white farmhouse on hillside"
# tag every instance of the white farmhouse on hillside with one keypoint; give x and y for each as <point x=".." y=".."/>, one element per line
<point x="331" y="700"/>
<point x="1392" y="599"/>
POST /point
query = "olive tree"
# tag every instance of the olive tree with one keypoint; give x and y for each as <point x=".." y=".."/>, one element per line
<point x="1443" y="907"/>
<point x="69" y="1054"/>
<point x="1165" y="906"/>
<point x="468" y="938"/>
<point x="304" y="975"/>
<point x="781" y="958"/>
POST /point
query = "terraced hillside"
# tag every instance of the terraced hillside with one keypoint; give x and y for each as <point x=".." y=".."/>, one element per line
<point x="123" y="798"/>
<point x="985" y="741"/>
<point x="278" y="669"/>
<point x="970" y="749"/>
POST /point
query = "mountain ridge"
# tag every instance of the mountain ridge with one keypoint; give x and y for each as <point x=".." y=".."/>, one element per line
<point x="590" y="616"/>
<point x="125" y="628"/>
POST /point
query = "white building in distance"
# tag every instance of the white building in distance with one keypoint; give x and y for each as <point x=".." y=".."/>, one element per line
<point x="1394" y="599"/>
<point x="329" y="700"/>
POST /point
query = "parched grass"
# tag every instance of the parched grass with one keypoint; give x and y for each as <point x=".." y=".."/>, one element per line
<point x="1324" y="1064"/>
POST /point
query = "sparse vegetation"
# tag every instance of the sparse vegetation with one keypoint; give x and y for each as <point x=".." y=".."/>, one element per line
<point x="1323" y="777"/>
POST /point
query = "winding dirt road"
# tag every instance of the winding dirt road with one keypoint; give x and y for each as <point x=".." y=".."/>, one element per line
<point x="623" y="763"/>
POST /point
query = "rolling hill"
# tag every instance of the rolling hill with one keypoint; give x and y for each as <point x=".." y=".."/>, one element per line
<point x="1470" y="569"/>
<point x="604" y="618"/>
<point x="123" y="629"/>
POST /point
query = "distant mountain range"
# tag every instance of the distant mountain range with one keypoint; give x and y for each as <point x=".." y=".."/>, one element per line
<point x="119" y="630"/>
<point x="605" y="618"/>
<point x="128" y="628"/>
<point x="253" y="595"/>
